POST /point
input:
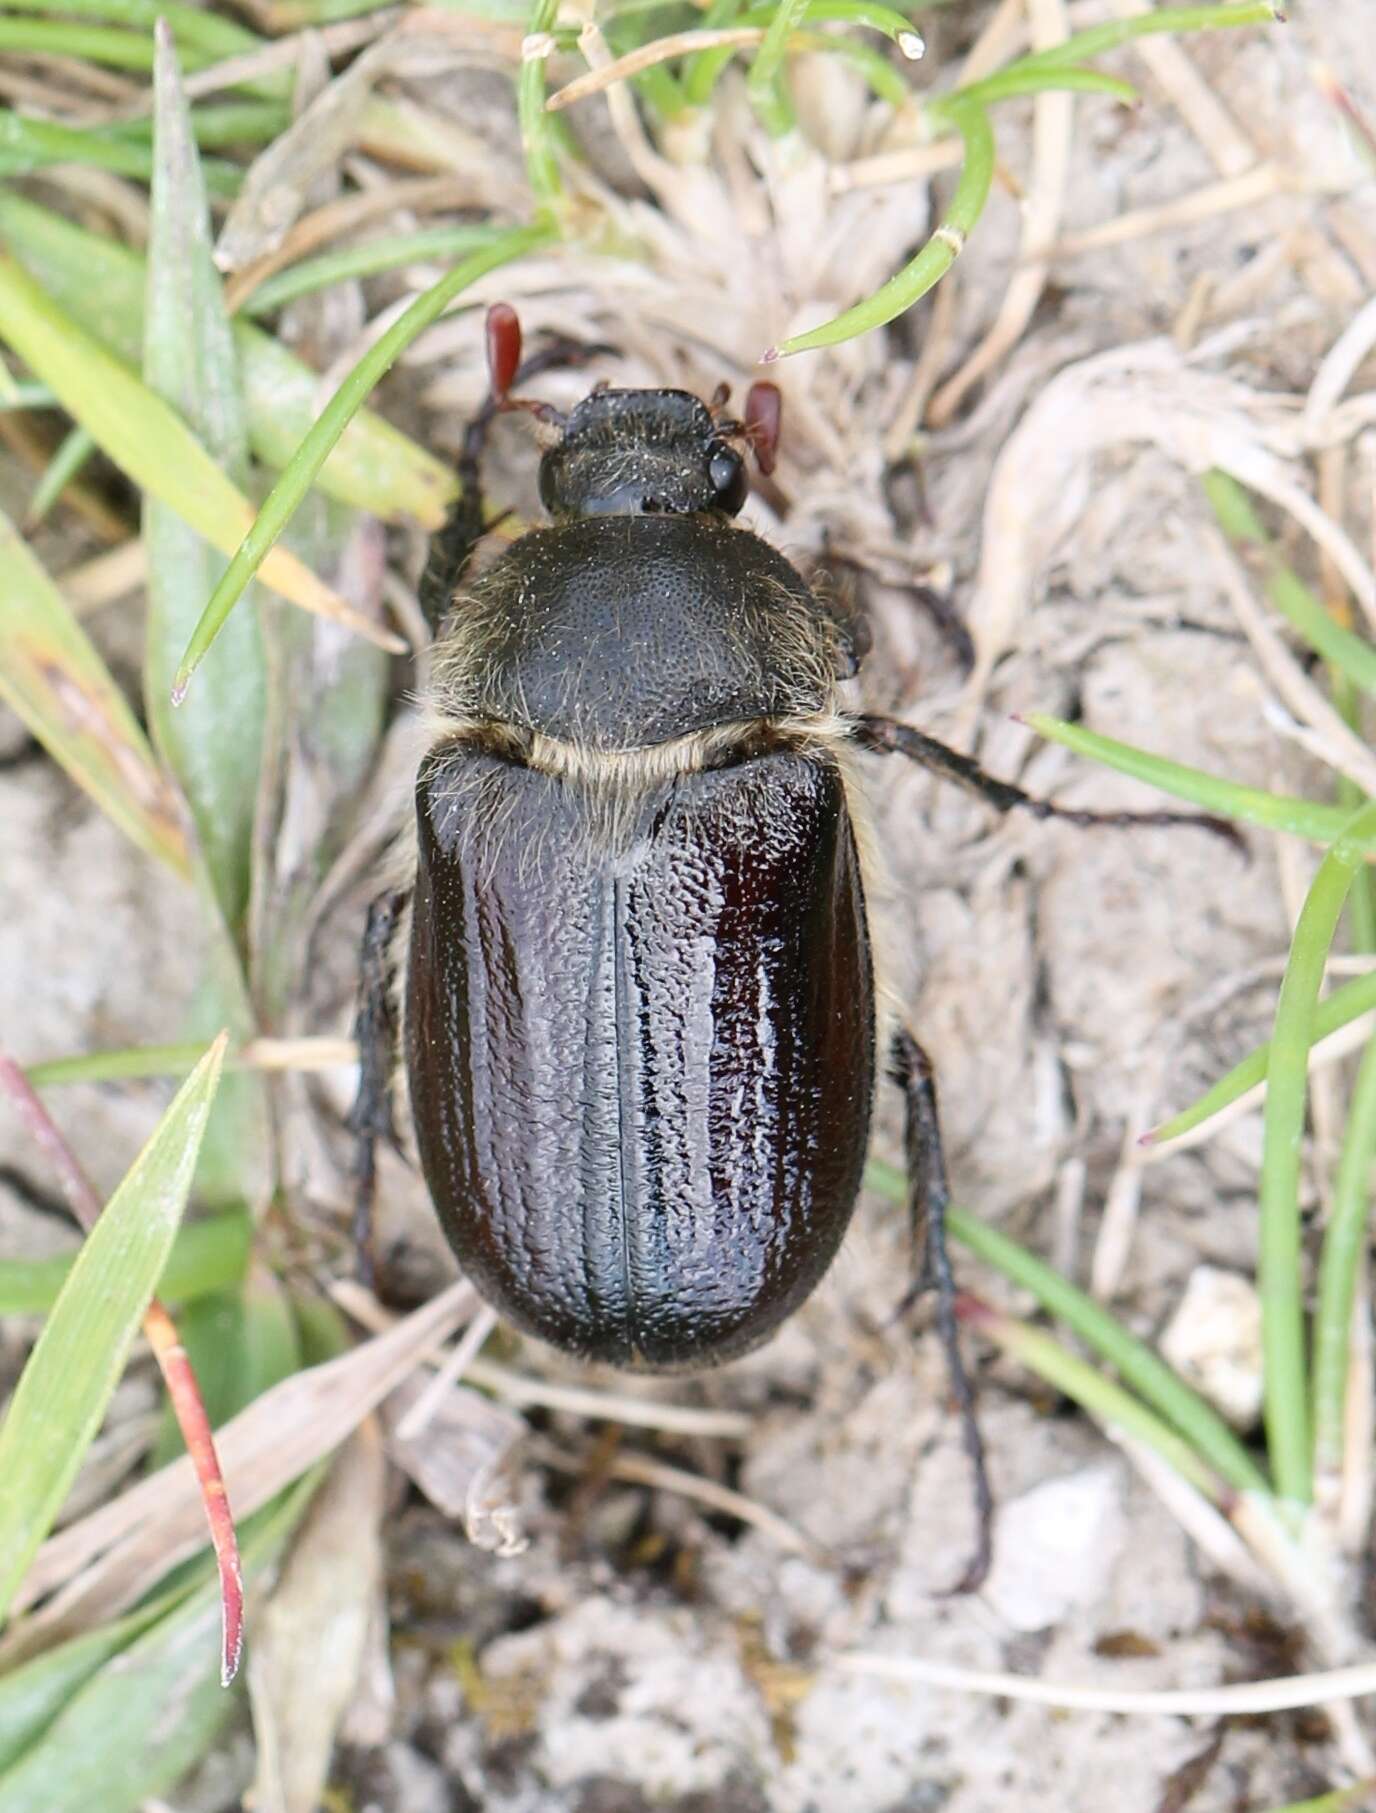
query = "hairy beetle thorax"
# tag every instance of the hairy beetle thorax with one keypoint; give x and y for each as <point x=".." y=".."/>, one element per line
<point x="619" y="633"/>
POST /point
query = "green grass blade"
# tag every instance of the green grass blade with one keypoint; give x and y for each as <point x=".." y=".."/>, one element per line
<point x="214" y="746"/>
<point x="897" y="27"/>
<point x="136" y="1063"/>
<point x="34" y="1693"/>
<point x="538" y="137"/>
<point x="53" y="678"/>
<point x="1338" y="1800"/>
<point x="1109" y="1404"/>
<point x="1100" y="38"/>
<point x="703" y="69"/>
<point x="138" y="431"/>
<point x="1281" y="1259"/>
<point x="965" y="110"/>
<point x="238" y="1149"/>
<point x="142" y="1720"/>
<point x="63" y="1390"/>
<point x="106" y="44"/>
<point x="200" y="30"/>
<point x="764" y="85"/>
<point x="132" y="1063"/>
<point x="1146" y="1373"/>
<point x="1341" y="1008"/>
<point x="375" y="467"/>
<point x="224" y="123"/>
<point x="206" y="1256"/>
<point x="936" y="257"/>
<point x="367" y="260"/>
<point x="1361" y="903"/>
<point x="301" y="470"/>
<point x="1350" y="654"/>
<point x="72" y="454"/>
<point x="1017" y="81"/>
<point x="28" y="144"/>
<point x="1343" y="1243"/>
<point x="1228" y="799"/>
<point x="27" y="395"/>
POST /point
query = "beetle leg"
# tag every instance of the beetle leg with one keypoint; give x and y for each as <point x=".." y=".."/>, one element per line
<point x="928" y="1199"/>
<point x="937" y="605"/>
<point x="451" y="547"/>
<point x="375" y="1029"/>
<point x="891" y="737"/>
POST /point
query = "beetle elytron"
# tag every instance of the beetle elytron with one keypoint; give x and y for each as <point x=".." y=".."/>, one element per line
<point x="638" y="1001"/>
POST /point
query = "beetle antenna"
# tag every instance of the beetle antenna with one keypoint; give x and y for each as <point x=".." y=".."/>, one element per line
<point x="764" y="407"/>
<point x="760" y="427"/>
<point x="504" y="365"/>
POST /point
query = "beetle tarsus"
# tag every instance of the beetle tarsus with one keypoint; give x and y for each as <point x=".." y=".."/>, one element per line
<point x="375" y="1029"/>
<point x="928" y="1199"/>
<point x="889" y="736"/>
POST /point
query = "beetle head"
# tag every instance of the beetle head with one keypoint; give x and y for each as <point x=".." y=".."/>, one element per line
<point x="637" y="452"/>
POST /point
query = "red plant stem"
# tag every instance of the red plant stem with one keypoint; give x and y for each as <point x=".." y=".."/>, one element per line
<point x="182" y="1389"/>
<point x="194" y="1424"/>
<point x="42" y="1129"/>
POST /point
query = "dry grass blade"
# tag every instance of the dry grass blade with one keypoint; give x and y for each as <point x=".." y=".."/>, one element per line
<point x="336" y="218"/>
<point x="1204" y="203"/>
<point x="523" y="1390"/>
<point x="1229" y="148"/>
<point x="1245" y="1699"/>
<point x="53" y="678"/>
<point x="640" y="1470"/>
<point x="614" y="1406"/>
<point x="251" y="66"/>
<point x="1147" y="393"/>
<point x="309" y="1639"/>
<point x="104" y="578"/>
<point x="432" y="1397"/>
<point x="1329" y="1050"/>
<point x="1338" y="367"/>
<point x="646" y="56"/>
<point x="1333" y="740"/>
<point x="279" y="182"/>
<point x="1052" y="134"/>
<point x="275" y="189"/>
<point x="907" y="165"/>
<point x="461" y="1458"/>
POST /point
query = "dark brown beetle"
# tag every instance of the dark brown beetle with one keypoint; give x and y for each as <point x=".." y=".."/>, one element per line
<point x="638" y="999"/>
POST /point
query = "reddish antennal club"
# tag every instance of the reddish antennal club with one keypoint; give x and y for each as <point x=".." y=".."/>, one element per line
<point x="763" y="413"/>
<point x="504" y="367"/>
<point x="503" y="349"/>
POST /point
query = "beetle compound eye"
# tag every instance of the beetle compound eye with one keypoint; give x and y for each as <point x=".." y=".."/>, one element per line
<point x="727" y="473"/>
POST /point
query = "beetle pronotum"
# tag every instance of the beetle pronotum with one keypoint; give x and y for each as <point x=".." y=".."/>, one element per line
<point x="637" y="998"/>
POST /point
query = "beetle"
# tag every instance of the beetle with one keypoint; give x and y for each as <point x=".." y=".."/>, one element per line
<point x="637" y="997"/>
